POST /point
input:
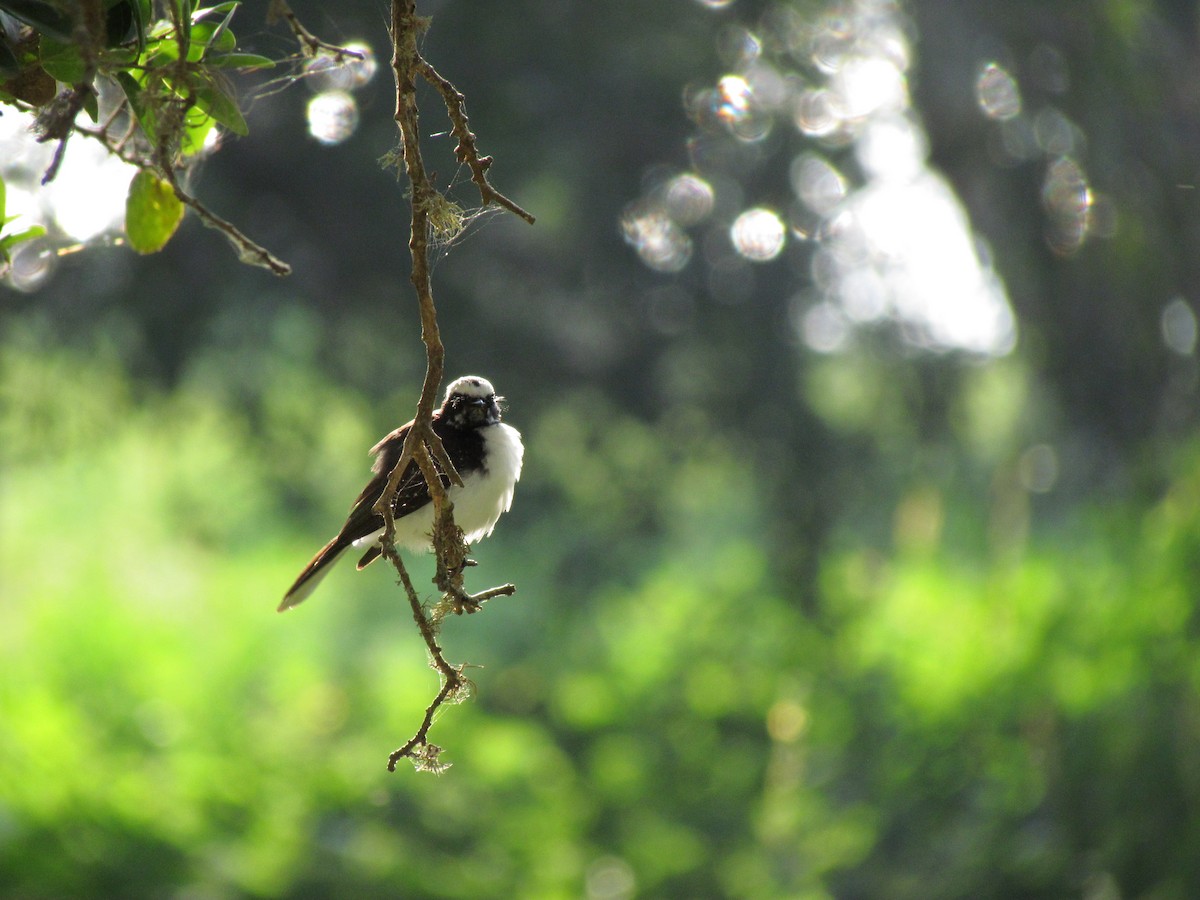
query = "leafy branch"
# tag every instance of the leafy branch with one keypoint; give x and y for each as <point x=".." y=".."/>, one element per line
<point x="422" y="443"/>
<point x="170" y="63"/>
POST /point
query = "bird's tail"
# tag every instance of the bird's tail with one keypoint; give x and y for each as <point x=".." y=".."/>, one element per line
<point x="314" y="572"/>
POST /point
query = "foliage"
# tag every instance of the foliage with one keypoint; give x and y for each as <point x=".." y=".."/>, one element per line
<point x="153" y="212"/>
<point x="8" y="241"/>
<point x="791" y="623"/>
<point x="169" y="66"/>
<point x="954" y="723"/>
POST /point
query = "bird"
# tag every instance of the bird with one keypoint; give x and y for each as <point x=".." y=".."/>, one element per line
<point x="487" y="454"/>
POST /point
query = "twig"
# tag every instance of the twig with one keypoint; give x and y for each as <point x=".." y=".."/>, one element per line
<point x="247" y="250"/>
<point x="310" y="44"/>
<point x="57" y="120"/>
<point x="422" y="444"/>
<point x="60" y="122"/>
<point x="452" y="678"/>
<point x="466" y="152"/>
<point x="404" y="28"/>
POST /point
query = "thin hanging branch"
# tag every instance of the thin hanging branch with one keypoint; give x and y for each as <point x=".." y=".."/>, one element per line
<point x="310" y="44"/>
<point x="248" y="251"/>
<point x="422" y="444"/>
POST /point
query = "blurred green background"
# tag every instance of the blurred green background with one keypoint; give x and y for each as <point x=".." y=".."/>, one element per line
<point x="821" y="592"/>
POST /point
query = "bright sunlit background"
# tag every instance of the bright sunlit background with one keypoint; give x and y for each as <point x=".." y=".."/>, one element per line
<point x="858" y="546"/>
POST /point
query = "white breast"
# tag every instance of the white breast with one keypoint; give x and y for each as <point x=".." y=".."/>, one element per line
<point x="486" y="494"/>
<point x="479" y="503"/>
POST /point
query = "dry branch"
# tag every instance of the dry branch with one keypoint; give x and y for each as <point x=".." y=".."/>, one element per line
<point x="422" y="445"/>
<point x="310" y="44"/>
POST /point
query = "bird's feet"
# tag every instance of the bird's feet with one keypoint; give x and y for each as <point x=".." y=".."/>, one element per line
<point x="449" y="580"/>
<point x="458" y="601"/>
<point x="462" y="602"/>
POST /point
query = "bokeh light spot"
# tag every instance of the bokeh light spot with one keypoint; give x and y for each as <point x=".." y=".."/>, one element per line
<point x="738" y="108"/>
<point x="817" y="112"/>
<point x="332" y="117"/>
<point x="870" y="84"/>
<point x="1055" y="134"/>
<point x="1038" y="468"/>
<point x="832" y="43"/>
<point x="84" y="202"/>
<point x="824" y="328"/>
<point x="738" y="47"/>
<point x="734" y="97"/>
<point x="891" y="239"/>
<point x="30" y="264"/>
<point x="325" y="73"/>
<point x="787" y="721"/>
<point x="817" y="183"/>
<point x="1017" y="141"/>
<point x="768" y="85"/>
<point x="610" y="878"/>
<point x="688" y="199"/>
<point x="1067" y="198"/>
<point x="1179" y="327"/>
<point x="758" y="234"/>
<point x="1048" y="69"/>
<point x="661" y="244"/>
<point x="892" y="146"/>
<point x="997" y="93"/>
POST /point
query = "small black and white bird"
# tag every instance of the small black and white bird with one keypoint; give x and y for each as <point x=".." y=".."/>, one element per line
<point x="487" y="455"/>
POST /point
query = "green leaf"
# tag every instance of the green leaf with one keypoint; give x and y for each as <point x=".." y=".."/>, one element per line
<point x="220" y="9"/>
<point x="62" y="60"/>
<point x="118" y="57"/>
<point x="142" y="13"/>
<point x="239" y="61"/>
<point x="197" y="125"/>
<point x="142" y="111"/>
<point x="152" y="212"/>
<point x="210" y="36"/>
<point x="10" y="66"/>
<point x="47" y="18"/>
<point x="223" y="38"/>
<point x="119" y="20"/>
<point x="3" y="198"/>
<point x="11" y="240"/>
<point x="162" y="49"/>
<point x="218" y="104"/>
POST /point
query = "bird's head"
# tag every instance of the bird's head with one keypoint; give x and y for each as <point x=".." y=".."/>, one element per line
<point x="471" y="402"/>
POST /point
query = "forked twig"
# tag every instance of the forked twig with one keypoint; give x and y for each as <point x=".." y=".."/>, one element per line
<point x="422" y="444"/>
<point x="466" y="152"/>
<point x="310" y="44"/>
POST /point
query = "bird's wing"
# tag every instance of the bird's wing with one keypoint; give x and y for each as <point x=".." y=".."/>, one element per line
<point x="412" y="492"/>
